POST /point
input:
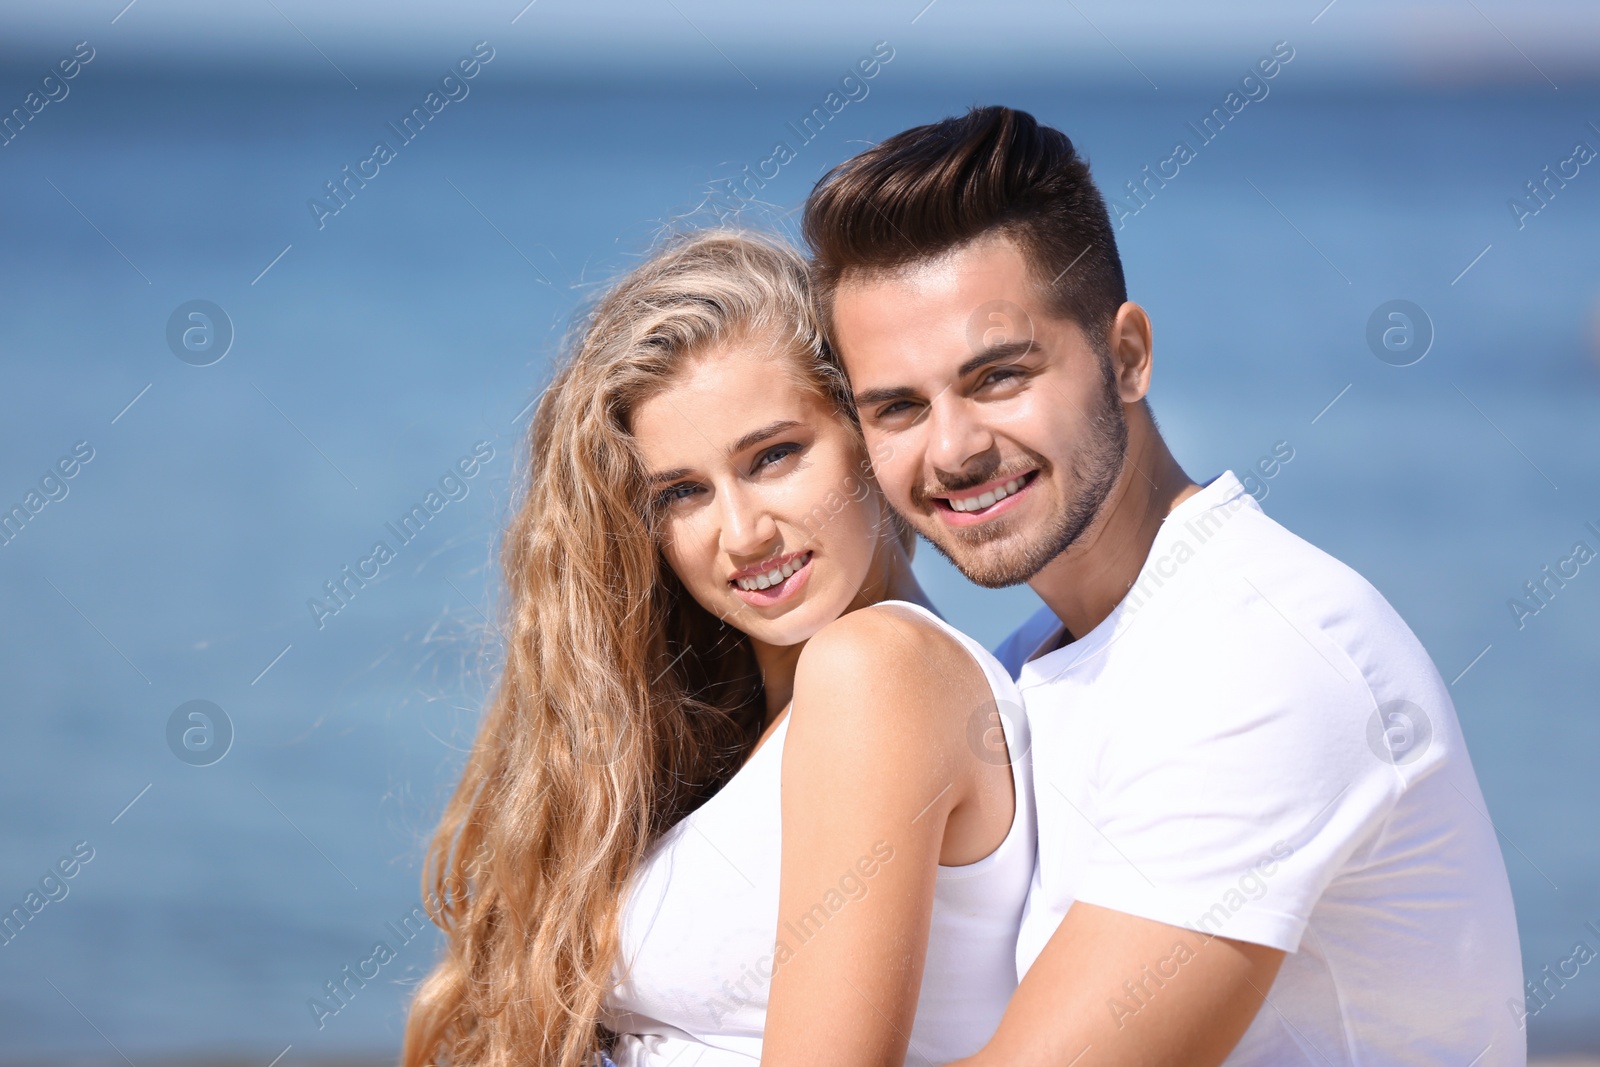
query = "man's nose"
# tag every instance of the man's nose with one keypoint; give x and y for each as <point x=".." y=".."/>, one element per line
<point x="957" y="435"/>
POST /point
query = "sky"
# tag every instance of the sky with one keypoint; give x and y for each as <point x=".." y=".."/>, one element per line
<point x="1426" y="40"/>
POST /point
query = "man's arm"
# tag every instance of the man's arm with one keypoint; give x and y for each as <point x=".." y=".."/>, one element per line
<point x="1228" y="797"/>
<point x="1114" y="990"/>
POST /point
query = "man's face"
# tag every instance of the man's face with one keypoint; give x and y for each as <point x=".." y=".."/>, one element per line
<point x="995" y="427"/>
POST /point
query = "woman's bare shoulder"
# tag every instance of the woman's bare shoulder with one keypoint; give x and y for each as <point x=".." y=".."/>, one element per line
<point x="912" y="672"/>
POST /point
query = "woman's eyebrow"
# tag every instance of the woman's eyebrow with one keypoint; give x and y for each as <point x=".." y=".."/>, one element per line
<point x="772" y="429"/>
<point x="754" y="437"/>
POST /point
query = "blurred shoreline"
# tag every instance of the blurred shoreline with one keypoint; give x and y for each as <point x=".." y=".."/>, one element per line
<point x="409" y="327"/>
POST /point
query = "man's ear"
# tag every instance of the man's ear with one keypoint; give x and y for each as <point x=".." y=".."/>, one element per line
<point x="1130" y="346"/>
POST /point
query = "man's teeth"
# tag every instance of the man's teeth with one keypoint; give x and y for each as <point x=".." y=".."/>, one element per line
<point x="774" y="576"/>
<point x="983" y="500"/>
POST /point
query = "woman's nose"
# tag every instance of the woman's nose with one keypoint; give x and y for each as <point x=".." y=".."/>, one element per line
<point x="748" y="526"/>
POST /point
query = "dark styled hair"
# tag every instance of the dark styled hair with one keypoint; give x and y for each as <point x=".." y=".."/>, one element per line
<point x="933" y="188"/>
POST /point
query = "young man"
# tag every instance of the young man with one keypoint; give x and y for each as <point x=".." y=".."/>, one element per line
<point x="1261" y="839"/>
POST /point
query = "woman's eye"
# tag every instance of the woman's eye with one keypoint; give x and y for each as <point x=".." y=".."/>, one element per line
<point x="676" y="494"/>
<point x="775" y="453"/>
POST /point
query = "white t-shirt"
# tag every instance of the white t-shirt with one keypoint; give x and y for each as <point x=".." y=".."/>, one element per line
<point x="1254" y="744"/>
<point x="700" y="930"/>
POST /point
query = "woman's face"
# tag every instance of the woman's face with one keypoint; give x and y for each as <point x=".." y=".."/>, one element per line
<point x="766" y="512"/>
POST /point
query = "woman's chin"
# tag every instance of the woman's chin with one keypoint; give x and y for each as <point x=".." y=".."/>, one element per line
<point x="795" y="626"/>
<point x="790" y="632"/>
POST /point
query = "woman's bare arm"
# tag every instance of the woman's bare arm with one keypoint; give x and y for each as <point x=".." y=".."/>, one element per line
<point x="875" y="762"/>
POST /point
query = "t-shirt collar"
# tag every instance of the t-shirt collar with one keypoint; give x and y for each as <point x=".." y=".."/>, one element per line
<point x="1041" y="665"/>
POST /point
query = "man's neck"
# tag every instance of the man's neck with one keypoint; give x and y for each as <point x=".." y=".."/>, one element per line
<point x="1084" y="584"/>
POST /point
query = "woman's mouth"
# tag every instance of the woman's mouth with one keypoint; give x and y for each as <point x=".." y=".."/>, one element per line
<point x="980" y="502"/>
<point x="781" y="580"/>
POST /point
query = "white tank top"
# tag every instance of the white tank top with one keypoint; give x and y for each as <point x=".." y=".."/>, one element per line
<point x="700" y="918"/>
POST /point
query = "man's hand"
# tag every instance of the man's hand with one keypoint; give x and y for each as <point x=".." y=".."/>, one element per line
<point x="1113" y="990"/>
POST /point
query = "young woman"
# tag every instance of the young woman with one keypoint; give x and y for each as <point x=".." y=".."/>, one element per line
<point x="708" y="597"/>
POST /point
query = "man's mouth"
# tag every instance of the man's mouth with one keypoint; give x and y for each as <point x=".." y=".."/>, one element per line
<point x="984" y="500"/>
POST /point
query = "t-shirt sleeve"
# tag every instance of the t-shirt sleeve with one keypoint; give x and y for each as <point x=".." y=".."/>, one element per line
<point x="1241" y="780"/>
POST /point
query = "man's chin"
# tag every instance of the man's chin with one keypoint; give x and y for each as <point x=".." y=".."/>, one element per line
<point x="993" y="561"/>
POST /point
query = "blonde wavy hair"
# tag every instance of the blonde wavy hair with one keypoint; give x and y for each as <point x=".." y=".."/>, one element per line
<point x="623" y="704"/>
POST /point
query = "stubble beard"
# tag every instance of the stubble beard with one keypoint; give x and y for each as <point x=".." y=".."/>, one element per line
<point x="995" y="555"/>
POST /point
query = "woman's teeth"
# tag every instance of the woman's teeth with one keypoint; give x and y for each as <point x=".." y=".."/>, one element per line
<point x="774" y="576"/>
<point x="983" y="500"/>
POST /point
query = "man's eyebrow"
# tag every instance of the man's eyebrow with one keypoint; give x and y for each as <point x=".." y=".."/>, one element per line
<point x="1007" y="352"/>
<point x="868" y="397"/>
<point x="1001" y="353"/>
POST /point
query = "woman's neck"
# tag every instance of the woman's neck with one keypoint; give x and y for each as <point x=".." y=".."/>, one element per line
<point x="889" y="578"/>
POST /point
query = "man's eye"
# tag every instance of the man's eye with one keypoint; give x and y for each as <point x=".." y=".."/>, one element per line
<point x="898" y="407"/>
<point x="1001" y="374"/>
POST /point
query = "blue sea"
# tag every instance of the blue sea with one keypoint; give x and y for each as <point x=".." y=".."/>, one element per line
<point x="376" y="352"/>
